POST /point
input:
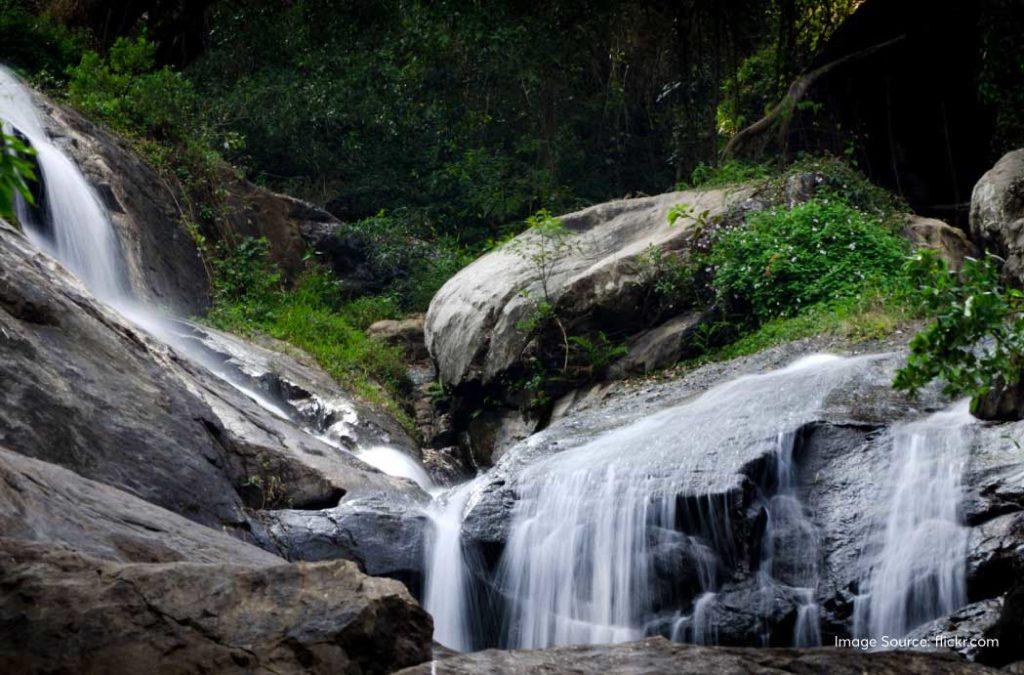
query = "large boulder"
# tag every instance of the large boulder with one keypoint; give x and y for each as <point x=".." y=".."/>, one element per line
<point x="125" y="586"/>
<point x="658" y="655"/>
<point x="949" y="243"/>
<point x="473" y="325"/>
<point x="997" y="212"/>
<point x="66" y="612"/>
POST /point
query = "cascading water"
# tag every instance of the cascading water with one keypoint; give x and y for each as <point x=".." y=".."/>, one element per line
<point x="579" y="565"/>
<point x="74" y="227"/>
<point x="920" y="572"/>
<point x="787" y="527"/>
<point x="448" y="595"/>
<point x="71" y="225"/>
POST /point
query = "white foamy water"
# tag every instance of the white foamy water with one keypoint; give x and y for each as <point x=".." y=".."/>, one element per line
<point x="448" y="596"/>
<point x="578" y="565"/>
<point x="396" y="463"/>
<point x="920" y="572"/>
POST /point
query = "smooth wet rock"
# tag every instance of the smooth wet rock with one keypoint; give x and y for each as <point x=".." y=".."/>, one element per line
<point x="997" y="212"/>
<point x="960" y="631"/>
<point x="163" y="261"/>
<point x="84" y="389"/>
<point x="383" y="535"/>
<point x="995" y="555"/>
<point x="65" y="612"/>
<point x="658" y="655"/>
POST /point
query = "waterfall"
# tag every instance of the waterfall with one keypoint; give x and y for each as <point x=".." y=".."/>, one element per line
<point x="71" y="224"/>
<point x="580" y="560"/>
<point x="787" y="527"/>
<point x="448" y="595"/>
<point x="920" y="572"/>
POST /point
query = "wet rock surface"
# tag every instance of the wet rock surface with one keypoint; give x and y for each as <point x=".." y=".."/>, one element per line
<point x="87" y="391"/>
<point x="383" y="535"/>
<point x="658" y="655"/>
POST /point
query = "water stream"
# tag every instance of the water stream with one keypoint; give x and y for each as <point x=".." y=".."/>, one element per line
<point x="920" y="572"/>
<point x="70" y="223"/>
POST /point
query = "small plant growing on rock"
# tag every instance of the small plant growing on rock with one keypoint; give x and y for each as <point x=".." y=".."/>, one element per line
<point x="547" y="243"/>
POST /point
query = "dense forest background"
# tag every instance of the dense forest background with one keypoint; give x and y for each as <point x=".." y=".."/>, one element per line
<point x="461" y="116"/>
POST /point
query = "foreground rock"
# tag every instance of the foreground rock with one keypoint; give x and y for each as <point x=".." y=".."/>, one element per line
<point x="84" y="389"/>
<point x="64" y="612"/>
<point x="658" y="655"/>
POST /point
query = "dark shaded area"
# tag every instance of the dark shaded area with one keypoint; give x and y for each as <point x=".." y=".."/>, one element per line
<point x="909" y="113"/>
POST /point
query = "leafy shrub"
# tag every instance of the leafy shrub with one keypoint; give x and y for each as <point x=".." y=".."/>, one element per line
<point x="413" y="260"/>
<point x="667" y="282"/>
<point x="728" y="173"/>
<point x="16" y="169"/>
<point x="783" y="261"/>
<point x="844" y="183"/>
<point x="125" y="89"/>
<point x="369" y="309"/>
<point x="246" y="283"/>
<point x="977" y="337"/>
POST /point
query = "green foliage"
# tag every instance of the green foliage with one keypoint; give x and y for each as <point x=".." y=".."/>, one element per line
<point x="415" y="260"/>
<point x="313" y="315"/>
<point x="596" y="353"/>
<point x="667" y="282"/>
<point x="842" y="182"/>
<point x="125" y="89"/>
<point x="1001" y="85"/>
<point x="795" y="32"/>
<point x="730" y="172"/>
<point x="37" y="43"/>
<point x="546" y="243"/>
<point x="16" y="169"/>
<point x="873" y="314"/>
<point x="977" y="337"/>
<point x="245" y="282"/>
<point x="783" y="261"/>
